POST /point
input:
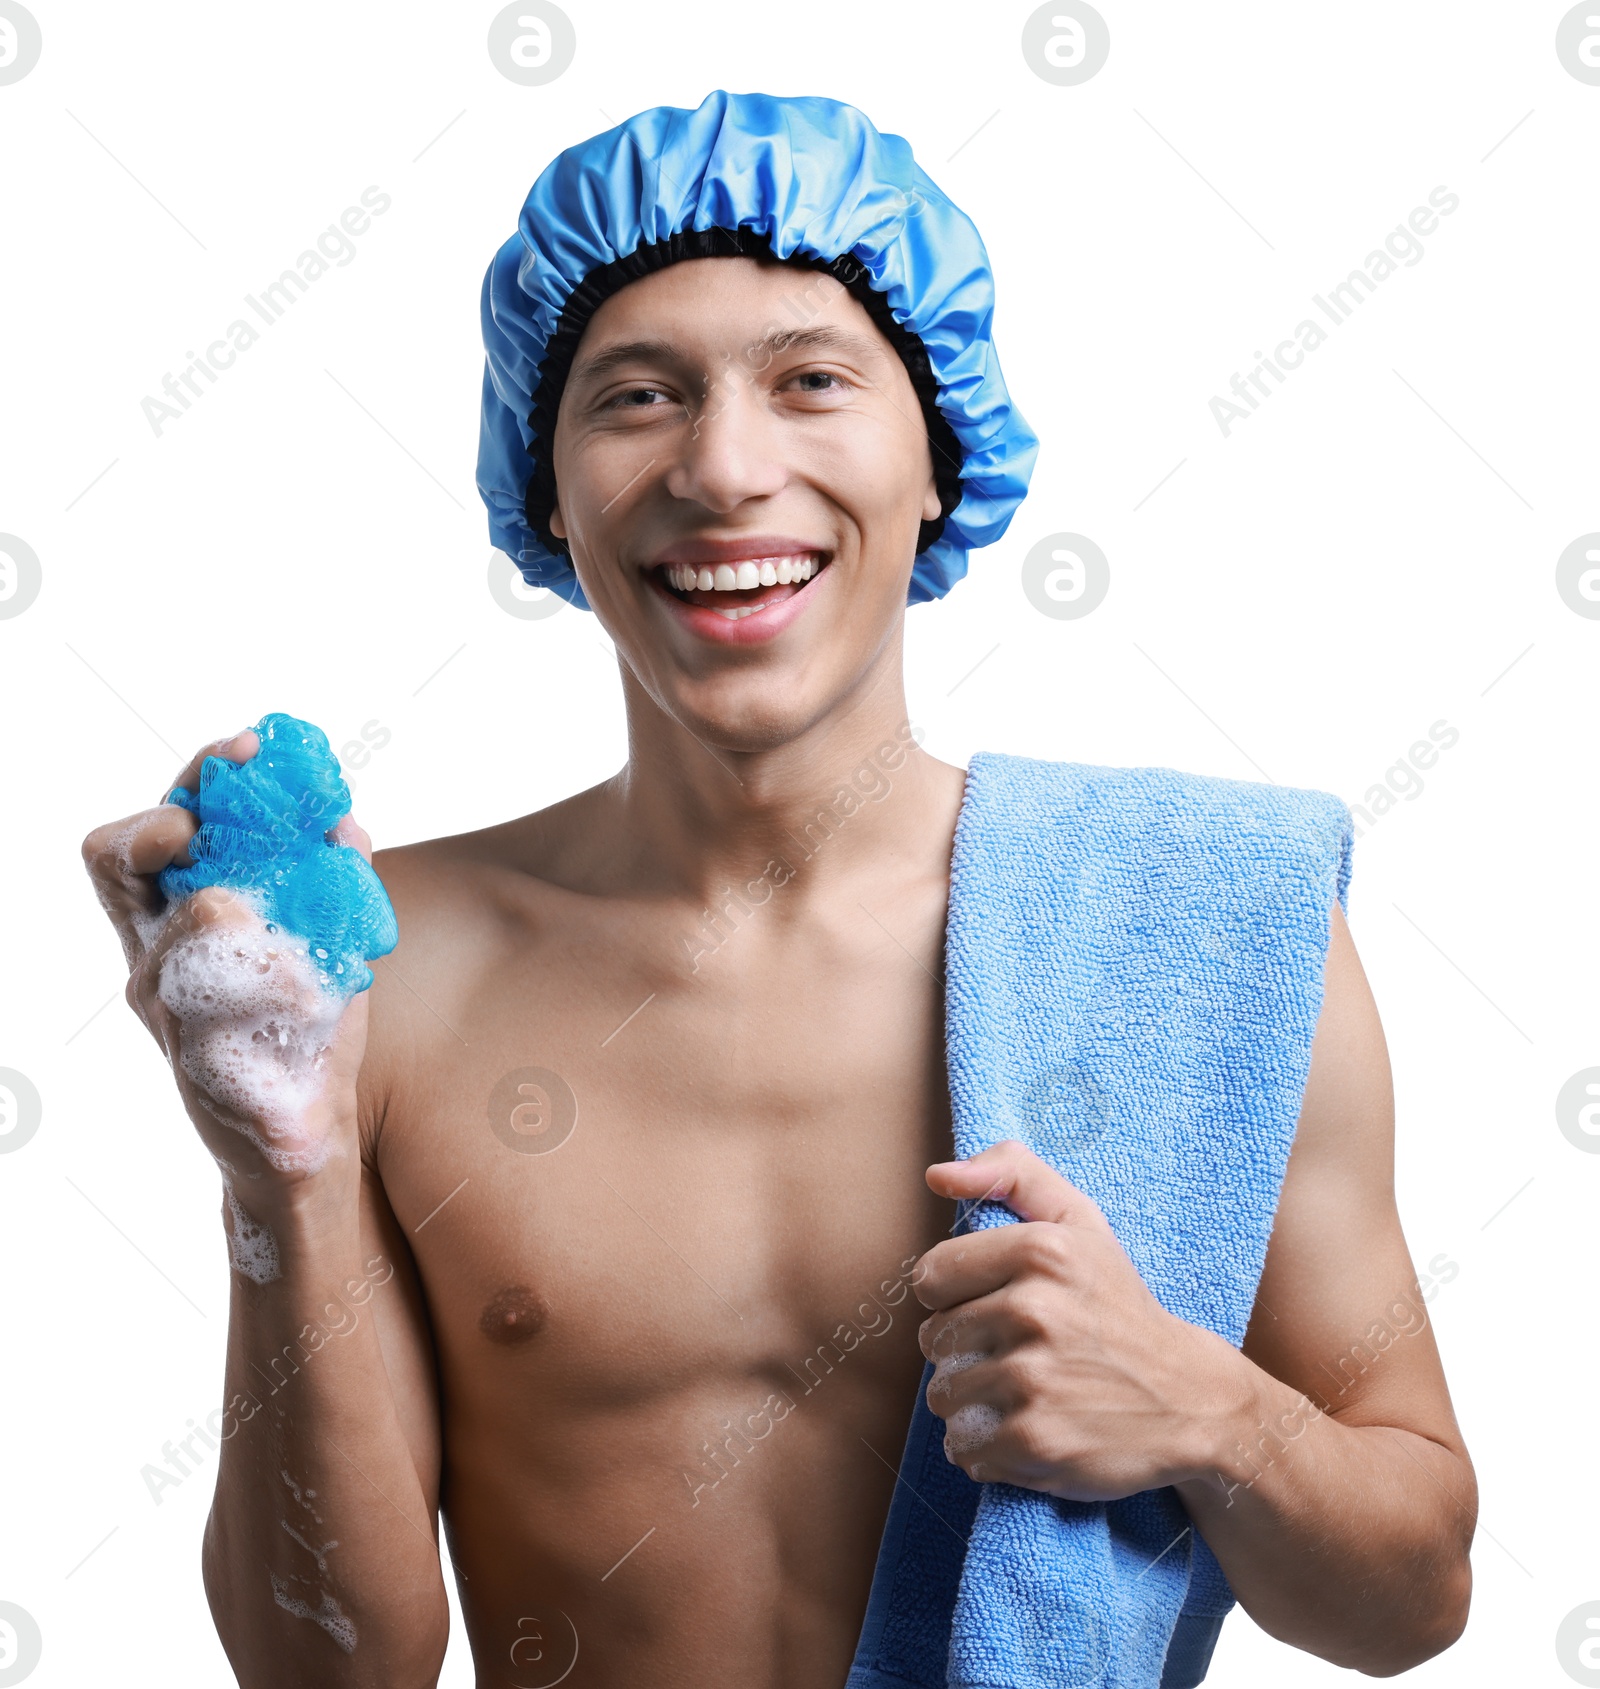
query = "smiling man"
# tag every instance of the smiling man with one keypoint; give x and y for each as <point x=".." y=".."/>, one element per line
<point x="662" y="1110"/>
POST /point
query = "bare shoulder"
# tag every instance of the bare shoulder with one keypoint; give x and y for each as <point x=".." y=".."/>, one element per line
<point x="462" y="883"/>
<point x="466" y="905"/>
<point x="1341" y="1311"/>
<point x="1344" y="1143"/>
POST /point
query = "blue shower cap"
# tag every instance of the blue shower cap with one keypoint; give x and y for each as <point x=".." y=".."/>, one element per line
<point x="808" y="179"/>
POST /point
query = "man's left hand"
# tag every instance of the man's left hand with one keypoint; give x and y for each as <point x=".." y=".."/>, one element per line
<point x="1056" y="1369"/>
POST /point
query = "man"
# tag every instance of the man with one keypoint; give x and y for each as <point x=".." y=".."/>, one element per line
<point x="600" y="1221"/>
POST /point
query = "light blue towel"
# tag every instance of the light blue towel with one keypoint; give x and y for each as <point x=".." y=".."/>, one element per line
<point x="1133" y="977"/>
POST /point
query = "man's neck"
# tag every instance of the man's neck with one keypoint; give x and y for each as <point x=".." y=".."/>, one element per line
<point x="853" y="795"/>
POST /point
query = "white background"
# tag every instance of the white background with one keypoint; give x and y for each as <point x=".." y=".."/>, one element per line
<point x="1371" y="552"/>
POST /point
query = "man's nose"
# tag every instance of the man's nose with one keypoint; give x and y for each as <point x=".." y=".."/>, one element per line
<point x="730" y="452"/>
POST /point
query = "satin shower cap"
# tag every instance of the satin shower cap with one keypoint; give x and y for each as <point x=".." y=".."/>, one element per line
<point x="805" y="179"/>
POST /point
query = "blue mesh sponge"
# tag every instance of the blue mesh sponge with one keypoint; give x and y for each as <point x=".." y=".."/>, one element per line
<point x="261" y="829"/>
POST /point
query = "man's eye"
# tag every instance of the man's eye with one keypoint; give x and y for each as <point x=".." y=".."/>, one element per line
<point x="818" y="381"/>
<point x="636" y="398"/>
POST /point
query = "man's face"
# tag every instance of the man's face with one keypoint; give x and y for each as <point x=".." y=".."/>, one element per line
<point x="728" y="421"/>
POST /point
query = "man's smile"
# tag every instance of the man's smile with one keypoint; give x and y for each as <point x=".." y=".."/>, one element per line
<point x="717" y="585"/>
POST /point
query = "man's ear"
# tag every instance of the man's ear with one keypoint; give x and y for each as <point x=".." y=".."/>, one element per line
<point x="556" y="525"/>
<point x="930" y="501"/>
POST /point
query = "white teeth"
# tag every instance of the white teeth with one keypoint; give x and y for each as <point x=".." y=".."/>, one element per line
<point x="739" y="610"/>
<point x="742" y="577"/>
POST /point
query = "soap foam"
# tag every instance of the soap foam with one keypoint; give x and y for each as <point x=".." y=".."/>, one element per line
<point x="304" y="1497"/>
<point x="949" y="1365"/>
<point x="330" y="1615"/>
<point x="971" y="1427"/>
<point x="320" y="1555"/>
<point x="251" y="1246"/>
<point x="255" y="1026"/>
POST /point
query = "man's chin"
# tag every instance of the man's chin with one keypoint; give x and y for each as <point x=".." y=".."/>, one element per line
<point x="753" y="719"/>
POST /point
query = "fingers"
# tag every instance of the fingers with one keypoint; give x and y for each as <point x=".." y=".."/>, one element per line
<point x="236" y="747"/>
<point x="350" y="832"/>
<point x="1000" y="1324"/>
<point x="1011" y="1173"/>
<point x="213" y="908"/>
<point x="987" y="1399"/>
<point x="969" y="1328"/>
<point x="961" y="1269"/>
<point x="966" y="1376"/>
<point x="975" y="1396"/>
<point x="254" y="1038"/>
<point x="124" y="857"/>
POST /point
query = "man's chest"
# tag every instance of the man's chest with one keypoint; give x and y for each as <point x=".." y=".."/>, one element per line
<point x="624" y="1178"/>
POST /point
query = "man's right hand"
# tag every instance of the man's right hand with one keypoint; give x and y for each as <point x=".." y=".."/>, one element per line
<point x="264" y="1059"/>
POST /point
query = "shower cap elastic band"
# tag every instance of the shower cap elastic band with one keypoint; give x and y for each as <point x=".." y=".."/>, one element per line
<point x="806" y="179"/>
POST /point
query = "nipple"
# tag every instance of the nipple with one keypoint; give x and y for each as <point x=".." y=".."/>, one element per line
<point x="513" y="1316"/>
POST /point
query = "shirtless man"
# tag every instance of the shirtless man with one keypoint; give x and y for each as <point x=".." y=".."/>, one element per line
<point x="581" y="1355"/>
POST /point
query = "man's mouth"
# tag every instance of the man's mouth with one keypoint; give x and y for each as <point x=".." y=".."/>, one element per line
<point x="743" y="588"/>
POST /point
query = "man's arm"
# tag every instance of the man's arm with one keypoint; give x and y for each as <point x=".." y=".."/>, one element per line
<point x="321" y="1561"/>
<point x="1344" y="1528"/>
<point x="1322" y="1465"/>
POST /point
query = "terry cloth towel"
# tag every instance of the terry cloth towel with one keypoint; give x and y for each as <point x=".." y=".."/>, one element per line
<point x="1133" y="974"/>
